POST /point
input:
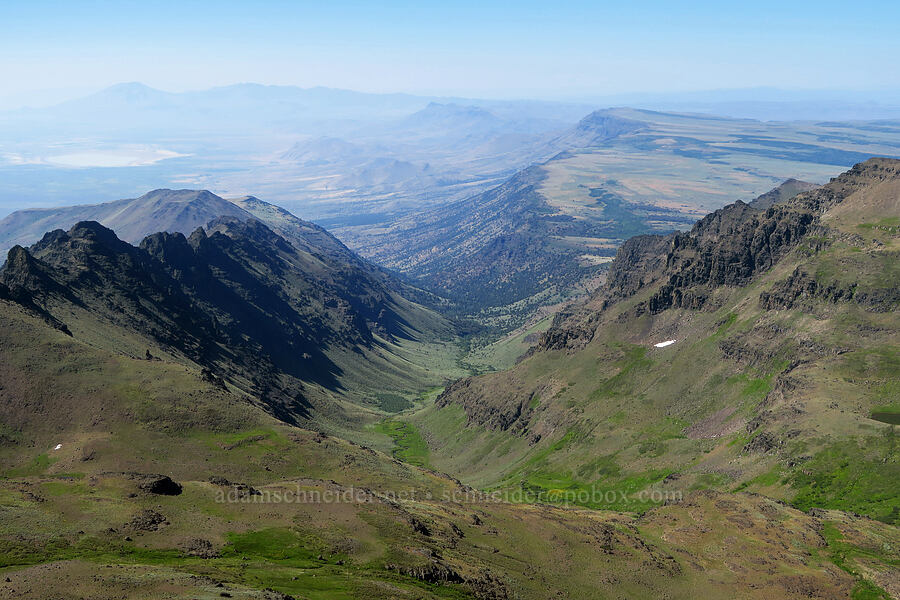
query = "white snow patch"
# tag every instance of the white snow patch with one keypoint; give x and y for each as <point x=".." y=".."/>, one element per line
<point x="57" y="447"/>
<point x="664" y="344"/>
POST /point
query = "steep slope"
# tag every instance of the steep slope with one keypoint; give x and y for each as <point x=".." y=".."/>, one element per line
<point x="756" y="351"/>
<point x="259" y="509"/>
<point x="236" y="299"/>
<point x="183" y="211"/>
<point x="783" y="192"/>
<point x="509" y="243"/>
<point x="598" y="129"/>
<point x="616" y="174"/>
<point x="132" y="220"/>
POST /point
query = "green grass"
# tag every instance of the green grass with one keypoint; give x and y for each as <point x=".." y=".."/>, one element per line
<point x="859" y="477"/>
<point x="608" y="493"/>
<point x="889" y="224"/>
<point x="842" y="554"/>
<point x="722" y="329"/>
<point x="274" y="558"/>
<point x="620" y="384"/>
<point x="275" y="544"/>
<point x="38" y="466"/>
<point x="99" y="548"/>
<point x="409" y="445"/>
<point x="771" y="477"/>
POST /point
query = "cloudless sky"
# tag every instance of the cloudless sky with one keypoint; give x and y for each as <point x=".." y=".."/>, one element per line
<point x="481" y="48"/>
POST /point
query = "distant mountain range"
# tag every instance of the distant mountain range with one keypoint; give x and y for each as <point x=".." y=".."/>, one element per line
<point x="247" y="106"/>
<point x="557" y="224"/>
<point x="132" y="220"/>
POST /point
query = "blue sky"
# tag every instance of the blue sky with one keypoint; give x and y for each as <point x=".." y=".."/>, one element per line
<point x="487" y="49"/>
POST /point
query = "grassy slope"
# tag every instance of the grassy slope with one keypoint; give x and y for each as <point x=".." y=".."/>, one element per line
<point x="624" y="415"/>
<point x="68" y="525"/>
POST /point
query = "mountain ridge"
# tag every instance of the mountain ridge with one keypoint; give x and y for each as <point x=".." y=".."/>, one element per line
<point x="235" y="298"/>
<point x="133" y="219"/>
<point x="760" y="341"/>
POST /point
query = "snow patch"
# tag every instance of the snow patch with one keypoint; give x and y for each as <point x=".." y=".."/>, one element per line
<point x="664" y="344"/>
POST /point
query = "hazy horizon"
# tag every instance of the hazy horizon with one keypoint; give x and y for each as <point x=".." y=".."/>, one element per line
<point x="50" y="97"/>
<point x="56" y="50"/>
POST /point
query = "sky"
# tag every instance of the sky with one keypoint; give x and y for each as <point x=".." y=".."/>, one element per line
<point x="552" y="50"/>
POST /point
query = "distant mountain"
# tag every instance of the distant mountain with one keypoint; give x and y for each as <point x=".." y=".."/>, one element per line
<point x="756" y="351"/>
<point x="450" y="119"/>
<point x="132" y="219"/>
<point x="249" y="107"/>
<point x="598" y="129"/>
<point x="510" y="243"/>
<point x="133" y="94"/>
<point x="323" y="150"/>
<point x="785" y="191"/>
<point x="388" y="172"/>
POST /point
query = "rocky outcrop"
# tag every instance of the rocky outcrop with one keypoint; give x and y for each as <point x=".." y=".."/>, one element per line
<point x="504" y="409"/>
<point x="434" y="572"/>
<point x="782" y="193"/>
<point x="638" y="262"/>
<point x="239" y="300"/>
<point x="147" y="520"/>
<point x="800" y="288"/>
<point x="727" y="249"/>
<point x="162" y="485"/>
<point x="483" y="586"/>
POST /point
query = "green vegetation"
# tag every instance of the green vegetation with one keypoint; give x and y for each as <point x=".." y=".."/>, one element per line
<point x="38" y="465"/>
<point x="632" y="363"/>
<point x="393" y="403"/>
<point x="854" y="476"/>
<point x="843" y="555"/>
<point x="276" y="544"/>
<point x="888" y="224"/>
<point x="409" y="446"/>
<point x="772" y="401"/>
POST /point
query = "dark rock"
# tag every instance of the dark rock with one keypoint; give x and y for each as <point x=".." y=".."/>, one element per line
<point x="200" y="548"/>
<point x="162" y="485"/>
<point x="764" y="443"/>
<point x="147" y="520"/>
<point x="419" y="527"/>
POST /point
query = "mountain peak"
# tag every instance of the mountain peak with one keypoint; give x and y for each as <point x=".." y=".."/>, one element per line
<point x="167" y="195"/>
<point x="452" y="115"/>
<point x="782" y="193"/>
<point x="18" y="258"/>
<point x="598" y="129"/>
<point x="132" y="92"/>
<point x="92" y="230"/>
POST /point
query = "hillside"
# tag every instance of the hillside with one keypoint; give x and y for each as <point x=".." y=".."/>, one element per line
<point x="617" y="173"/>
<point x="756" y="351"/>
<point x="183" y="211"/>
<point x="509" y="243"/>
<point x="132" y="219"/>
<point x="91" y="435"/>
<point x="264" y="314"/>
